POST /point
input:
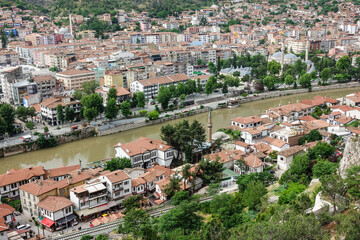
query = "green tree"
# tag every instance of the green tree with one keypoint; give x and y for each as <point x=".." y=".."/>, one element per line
<point x="125" y="109"/>
<point x="289" y="80"/>
<point x="30" y="125"/>
<point x="31" y="112"/>
<point x="274" y="67"/>
<point x="69" y="114"/>
<point x="172" y="187"/>
<point x="305" y="80"/>
<point x="118" y="164"/>
<point x="199" y="88"/>
<point x="86" y="237"/>
<point x="111" y="110"/>
<point x="140" y="99"/>
<point x="22" y="113"/>
<point x="323" y="168"/>
<point x="164" y="97"/>
<point x="322" y="150"/>
<point x="325" y="75"/>
<point x="112" y="94"/>
<point x="78" y="94"/>
<point x="183" y="217"/>
<point x="132" y="203"/>
<point x="343" y="63"/>
<point x="353" y="182"/>
<point x="54" y="69"/>
<point x="265" y="177"/>
<point x="299" y="170"/>
<point x="225" y="88"/>
<point x="209" y="87"/>
<point x="313" y="136"/>
<point x="179" y="197"/>
<point x="333" y="187"/>
<point x="93" y="106"/>
<point x="102" y="237"/>
<point x="211" y="171"/>
<point x="7" y="114"/>
<point x="348" y="225"/>
<point x="253" y="193"/>
<point x="60" y="113"/>
<point x="212" y="67"/>
<point x="136" y="222"/>
<point x="269" y="82"/>
<point x="89" y="86"/>
<point x="153" y="115"/>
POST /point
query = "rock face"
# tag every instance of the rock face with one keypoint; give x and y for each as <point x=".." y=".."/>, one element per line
<point x="351" y="155"/>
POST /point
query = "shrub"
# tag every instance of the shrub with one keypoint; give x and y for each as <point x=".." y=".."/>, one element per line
<point x="30" y="125"/>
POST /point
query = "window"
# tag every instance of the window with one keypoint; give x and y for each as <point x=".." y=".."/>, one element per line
<point x="169" y="154"/>
<point x="126" y="183"/>
<point x="126" y="190"/>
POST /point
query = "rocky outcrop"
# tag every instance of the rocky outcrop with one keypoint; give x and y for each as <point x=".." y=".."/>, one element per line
<point x="351" y="156"/>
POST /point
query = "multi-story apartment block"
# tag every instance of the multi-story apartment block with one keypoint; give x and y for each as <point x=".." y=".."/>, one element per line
<point x="48" y="108"/>
<point x="74" y="78"/>
<point x="9" y="76"/>
<point x="89" y="195"/>
<point x="144" y="152"/>
<point x="118" y="184"/>
<point x="150" y="87"/>
<point x="46" y="85"/>
<point x="9" y="58"/>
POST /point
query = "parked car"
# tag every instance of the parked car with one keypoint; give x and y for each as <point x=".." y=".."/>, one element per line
<point x="23" y="227"/>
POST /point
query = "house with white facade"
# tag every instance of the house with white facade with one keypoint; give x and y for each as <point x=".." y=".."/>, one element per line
<point x="56" y="212"/>
<point x="118" y="184"/>
<point x="250" y="164"/>
<point x="12" y="179"/>
<point x="144" y="152"/>
<point x="285" y="157"/>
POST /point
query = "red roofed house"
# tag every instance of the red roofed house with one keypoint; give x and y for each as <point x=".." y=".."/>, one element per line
<point x="118" y="184"/>
<point x="246" y="122"/>
<point x="251" y="164"/>
<point x="56" y="212"/>
<point x="10" y="181"/>
<point x="320" y="101"/>
<point x="6" y="215"/>
<point x="144" y="152"/>
<point x="48" y="108"/>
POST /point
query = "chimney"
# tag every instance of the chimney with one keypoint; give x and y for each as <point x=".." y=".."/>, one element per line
<point x="116" y="173"/>
<point x="40" y="183"/>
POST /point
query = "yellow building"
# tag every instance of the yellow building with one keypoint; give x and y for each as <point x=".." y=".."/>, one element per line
<point x="115" y="79"/>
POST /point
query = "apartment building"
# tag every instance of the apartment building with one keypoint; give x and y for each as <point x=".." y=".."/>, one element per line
<point x="22" y="89"/>
<point x="118" y="184"/>
<point x="9" y="76"/>
<point x="9" y="58"/>
<point x="89" y="198"/>
<point x="48" y="108"/>
<point x="144" y="152"/>
<point x="74" y="78"/>
<point x="150" y="87"/>
<point x="290" y="112"/>
<point x="46" y="85"/>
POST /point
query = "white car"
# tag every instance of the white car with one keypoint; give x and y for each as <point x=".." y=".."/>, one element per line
<point x="23" y="227"/>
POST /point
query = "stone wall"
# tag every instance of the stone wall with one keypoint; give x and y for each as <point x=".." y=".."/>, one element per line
<point x="132" y="125"/>
<point x="61" y="139"/>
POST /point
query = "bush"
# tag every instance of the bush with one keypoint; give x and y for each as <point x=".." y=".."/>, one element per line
<point x="290" y="194"/>
<point x="323" y="168"/>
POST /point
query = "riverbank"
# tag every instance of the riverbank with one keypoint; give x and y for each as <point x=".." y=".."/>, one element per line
<point x="96" y="148"/>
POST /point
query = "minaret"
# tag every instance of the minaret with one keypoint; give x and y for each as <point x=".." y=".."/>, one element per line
<point x="71" y="27"/>
<point x="307" y="48"/>
<point x="282" y="55"/>
<point x="209" y="126"/>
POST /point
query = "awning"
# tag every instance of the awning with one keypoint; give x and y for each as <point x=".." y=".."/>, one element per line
<point x="47" y="222"/>
<point x="88" y="211"/>
<point x="66" y="219"/>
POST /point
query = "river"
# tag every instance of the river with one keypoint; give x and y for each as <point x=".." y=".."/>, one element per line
<point x="97" y="148"/>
